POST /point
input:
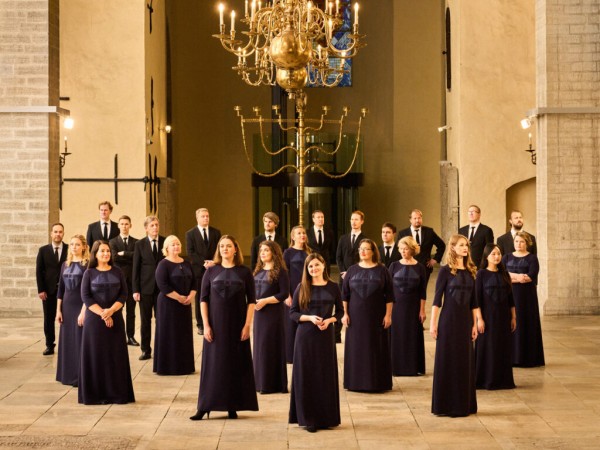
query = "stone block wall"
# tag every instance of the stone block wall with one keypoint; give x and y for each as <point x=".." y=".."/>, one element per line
<point x="568" y="170"/>
<point x="28" y="141"/>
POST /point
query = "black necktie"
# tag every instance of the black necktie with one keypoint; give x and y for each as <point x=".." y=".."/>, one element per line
<point x="353" y="239"/>
<point x="387" y="251"/>
<point x="268" y="237"/>
<point x="56" y="254"/>
<point x="125" y="241"/>
<point x="320" y="239"/>
<point x="472" y="233"/>
<point x="417" y="237"/>
<point x="105" y="233"/>
<point x="154" y="248"/>
<point x="205" y="237"/>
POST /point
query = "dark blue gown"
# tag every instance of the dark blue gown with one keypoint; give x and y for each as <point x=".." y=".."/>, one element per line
<point x="367" y="361"/>
<point x="454" y="391"/>
<point x="528" y="346"/>
<point x="270" y="371"/>
<point x="294" y="260"/>
<point x="493" y="347"/>
<point x="227" y="376"/>
<point x="104" y="372"/>
<point x="69" y="342"/>
<point x="174" y="337"/>
<point x="315" y="398"/>
<point x="407" y="340"/>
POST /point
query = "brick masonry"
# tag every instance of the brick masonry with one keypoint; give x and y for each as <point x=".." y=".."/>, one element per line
<point x="568" y="170"/>
<point x="29" y="76"/>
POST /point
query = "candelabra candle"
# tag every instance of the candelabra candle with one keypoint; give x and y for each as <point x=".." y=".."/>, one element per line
<point x="232" y="22"/>
<point x="221" y="10"/>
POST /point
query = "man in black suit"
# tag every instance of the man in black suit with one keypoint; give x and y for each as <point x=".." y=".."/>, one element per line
<point x="147" y="254"/>
<point x="122" y="248"/>
<point x="505" y="242"/>
<point x="105" y="228"/>
<point x="426" y="238"/>
<point x="321" y="239"/>
<point x="47" y="272"/>
<point x="478" y="234"/>
<point x="201" y="244"/>
<point x="347" y="254"/>
<point x="270" y="223"/>
<point x="388" y="250"/>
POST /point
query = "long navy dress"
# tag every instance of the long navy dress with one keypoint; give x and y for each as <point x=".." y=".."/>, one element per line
<point x="367" y="361"/>
<point x="528" y="346"/>
<point x="454" y="367"/>
<point x="174" y="338"/>
<point x="315" y="397"/>
<point x="270" y="371"/>
<point x="493" y="348"/>
<point x="226" y="376"/>
<point x="407" y="341"/>
<point x="104" y="372"/>
<point x="294" y="260"/>
<point x="69" y="342"/>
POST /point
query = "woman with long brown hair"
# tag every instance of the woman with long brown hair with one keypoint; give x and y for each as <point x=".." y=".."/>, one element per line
<point x="454" y="392"/>
<point x="317" y="305"/>
<point x="272" y="289"/>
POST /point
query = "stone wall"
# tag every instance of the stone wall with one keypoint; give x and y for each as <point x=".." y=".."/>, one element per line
<point x="28" y="141"/>
<point x="568" y="170"/>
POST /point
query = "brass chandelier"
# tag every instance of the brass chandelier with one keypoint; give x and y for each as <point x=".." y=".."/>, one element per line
<point x="292" y="43"/>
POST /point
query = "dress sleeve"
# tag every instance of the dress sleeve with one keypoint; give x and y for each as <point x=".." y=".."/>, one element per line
<point x="284" y="285"/>
<point x="295" y="308"/>
<point x="205" y="288"/>
<point x="346" y="291"/>
<point x="534" y="268"/>
<point x="163" y="279"/>
<point x="339" y="308"/>
<point x="479" y="292"/>
<point x="388" y="287"/>
<point x="440" y="286"/>
<point x="61" y="283"/>
<point x="86" y="289"/>
<point x="473" y="301"/>
<point x="250" y="288"/>
<point x="422" y="281"/>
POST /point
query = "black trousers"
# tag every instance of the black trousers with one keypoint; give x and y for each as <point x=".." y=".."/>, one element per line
<point x="49" y="306"/>
<point x="130" y="311"/>
<point x="147" y="306"/>
<point x="198" y="312"/>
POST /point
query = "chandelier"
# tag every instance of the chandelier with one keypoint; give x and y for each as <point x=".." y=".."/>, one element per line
<point x="291" y="43"/>
<point x="294" y="44"/>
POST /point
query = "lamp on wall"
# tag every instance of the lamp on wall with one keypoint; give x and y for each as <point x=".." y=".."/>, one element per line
<point x="527" y="122"/>
<point x="444" y="128"/>
<point x="167" y="129"/>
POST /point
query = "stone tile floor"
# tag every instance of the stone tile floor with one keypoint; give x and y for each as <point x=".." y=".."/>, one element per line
<point x="553" y="407"/>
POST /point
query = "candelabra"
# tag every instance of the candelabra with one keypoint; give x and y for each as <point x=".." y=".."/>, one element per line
<point x="292" y="43"/>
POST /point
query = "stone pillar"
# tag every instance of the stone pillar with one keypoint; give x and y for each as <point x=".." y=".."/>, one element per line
<point x="568" y="157"/>
<point x="29" y="141"/>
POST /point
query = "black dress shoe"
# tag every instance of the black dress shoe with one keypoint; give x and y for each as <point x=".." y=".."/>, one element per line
<point x="132" y="341"/>
<point x="48" y="351"/>
<point x="200" y="414"/>
<point x="200" y="331"/>
<point x="144" y="356"/>
<point x="311" y="429"/>
<point x="232" y="414"/>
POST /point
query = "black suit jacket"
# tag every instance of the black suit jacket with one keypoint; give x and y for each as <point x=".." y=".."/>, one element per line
<point x="428" y="239"/>
<point x="125" y="262"/>
<point x="47" y="268"/>
<point x="144" y="266"/>
<point x="94" y="232"/>
<point x="347" y="254"/>
<point x="327" y="249"/>
<point x="198" y="251"/>
<point x="484" y="235"/>
<point x="395" y="255"/>
<point x="283" y="243"/>
<point x="505" y="242"/>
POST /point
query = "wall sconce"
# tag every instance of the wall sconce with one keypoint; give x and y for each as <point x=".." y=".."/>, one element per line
<point x="68" y="123"/>
<point x="527" y="122"/>
<point x="167" y="129"/>
<point x="444" y="128"/>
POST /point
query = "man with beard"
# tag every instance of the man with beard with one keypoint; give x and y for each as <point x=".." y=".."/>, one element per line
<point x="505" y="242"/>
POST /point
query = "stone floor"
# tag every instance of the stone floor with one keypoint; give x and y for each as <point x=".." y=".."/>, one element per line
<point x="553" y="407"/>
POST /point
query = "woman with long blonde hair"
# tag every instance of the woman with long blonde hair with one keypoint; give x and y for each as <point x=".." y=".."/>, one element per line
<point x="317" y="305"/>
<point x="454" y="392"/>
<point x="70" y="310"/>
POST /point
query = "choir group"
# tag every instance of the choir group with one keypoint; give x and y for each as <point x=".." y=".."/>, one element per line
<point x="484" y="321"/>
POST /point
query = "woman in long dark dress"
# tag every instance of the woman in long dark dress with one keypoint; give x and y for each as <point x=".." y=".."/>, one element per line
<point x="317" y="304"/>
<point x="493" y="349"/>
<point x="528" y="346"/>
<point x="174" y="338"/>
<point x="272" y="289"/>
<point x="104" y="372"/>
<point x="294" y="258"/>
<point x="409" y="278"/>
<point x="368" y="296"/>
<point x="454" y="392"/>
<point x="228" y="298"/>
<point x="70" y="311"/>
